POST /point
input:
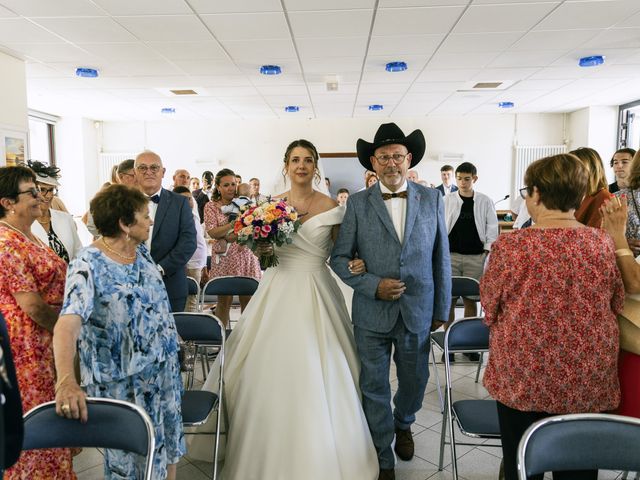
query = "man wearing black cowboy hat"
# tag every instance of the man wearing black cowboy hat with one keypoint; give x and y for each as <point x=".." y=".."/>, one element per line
<point x="398" y="229"/>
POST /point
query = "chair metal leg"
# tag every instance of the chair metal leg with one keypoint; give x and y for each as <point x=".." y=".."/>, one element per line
<point x="452" y="439"/>
<point x="443" y="432"/>
<point x="479" y="366"/>
<point x="435" y="372"/>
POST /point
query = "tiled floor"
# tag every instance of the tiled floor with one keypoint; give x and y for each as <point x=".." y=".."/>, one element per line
<point x="474" y="463"/>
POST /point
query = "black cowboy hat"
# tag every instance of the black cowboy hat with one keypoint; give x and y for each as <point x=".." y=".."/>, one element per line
<point x="389" y="134"/>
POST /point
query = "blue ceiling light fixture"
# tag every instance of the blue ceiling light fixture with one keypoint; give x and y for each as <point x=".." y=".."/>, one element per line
<point x="292" y="108"/>
<point x="506" y="105"/>
<point x="592" y="61"/>
<point x="396" y="67"/>
<point x="376" y="108"/>
<point x="270" y="70"/>
<point x="86" y="72"/>
<point x="168" y="110"/>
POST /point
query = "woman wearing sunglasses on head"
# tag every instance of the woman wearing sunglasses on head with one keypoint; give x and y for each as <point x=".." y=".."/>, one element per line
<point x="32" y="280"/>
<point x="54" y="227"/>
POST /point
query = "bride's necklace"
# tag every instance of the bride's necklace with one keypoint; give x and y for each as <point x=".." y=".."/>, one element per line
<point x="115" y="252"/>
<point x="32" y="239"/>
<point x="306" y="209"/>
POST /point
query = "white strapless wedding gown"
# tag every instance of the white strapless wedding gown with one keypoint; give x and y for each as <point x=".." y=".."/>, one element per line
<point x="291" y="374"/>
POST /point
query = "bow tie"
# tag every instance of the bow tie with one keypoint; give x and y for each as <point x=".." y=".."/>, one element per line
<point x="155" y="198"/>
<point x="389" y="196"/>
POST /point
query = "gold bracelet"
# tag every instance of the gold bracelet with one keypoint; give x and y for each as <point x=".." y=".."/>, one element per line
<point x="624" y="252"/>
<point x="60" y="382"/>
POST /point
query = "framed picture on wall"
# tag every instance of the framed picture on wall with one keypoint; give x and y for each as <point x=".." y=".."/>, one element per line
<point x="14" y="146"/>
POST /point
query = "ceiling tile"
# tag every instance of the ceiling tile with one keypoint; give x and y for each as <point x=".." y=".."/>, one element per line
<point x="332" y="47"/>
<point x="552" y="39"/>
<point x="504" y="74"/>
<point x="40" y="70"/>
<point x="260" y="51"/>
<point x="305" y="5"/>
<point x="611" y="56"/>
<point x="424" y="3"/>
<point x="403" y="21"/>
<point x="221" y="91"/>
<point x="120" y="51"/>
<point x="559" y="73"/>
<point x="283" y="90"/>
<point x="235" y="6"/>
<point x="589" y="14"/>
<point x="20" y="30"/>
<point x="183" y="28"/>
<point x="189" y="50"/>
<point x="503" y="18"/>
<point x="526" y="59"/>
<point x="134" y="93"/>
<point x="347" y="23"/>
<point x="436" y="87"/>
<point x="147" y="67"/>
<point x="247" y="26"/>
<point x="90" y="29"/>
<point x="320" y="88"/>
<point x="405" y="45"/>
<point x="458" y="60"/>
<point x="144" y="7"/>
<point x="59" y="8"/>
<point x="208" y="67"/>
<point x="45" y="52"/>
<point x="335" y="66"/>
<point x="479" y="42"/>
<point x="539" y="85"/>
<point x="6" y="13"/>
<point x="449" y="75"/>
<point x="615" y="38"/>
<point x="379" y="98"/>
<point x="214" y="81"/>
<point x="383" y="88"/>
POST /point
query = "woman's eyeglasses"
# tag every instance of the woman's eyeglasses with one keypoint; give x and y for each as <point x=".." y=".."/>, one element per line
<point x="524" y="192"/>
<point x="46" y="191"/>
<point x="35" y="193"/>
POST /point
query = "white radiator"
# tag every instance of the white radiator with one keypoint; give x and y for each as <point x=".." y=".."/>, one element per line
<point x="527" y="154"/>
<point x="108" y="160"/>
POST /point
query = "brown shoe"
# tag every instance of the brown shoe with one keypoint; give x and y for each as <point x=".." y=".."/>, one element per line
<point x="387" y="474"/>
<point x="404" y="444"/>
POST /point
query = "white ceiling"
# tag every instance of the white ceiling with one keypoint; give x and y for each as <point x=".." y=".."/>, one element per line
<point x="142" y="48"/>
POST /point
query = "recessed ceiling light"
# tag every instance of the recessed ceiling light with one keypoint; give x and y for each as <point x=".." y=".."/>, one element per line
<point x="270" y="70"/>
<point x="396" y="67"/>
<point x="506" y="105"/>
<point x="291" y="108"/>
<point x="376" y="108"/>
<point x="592" y="61"/>
<point x="86" y="72"/>
<point x="168" y="110"/>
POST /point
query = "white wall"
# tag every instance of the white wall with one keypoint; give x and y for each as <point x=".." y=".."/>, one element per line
<point x="595" y="127"/>
<point x="13" y="93"/>
<point x="76" y="155"/>
<point x="256" y="148"/>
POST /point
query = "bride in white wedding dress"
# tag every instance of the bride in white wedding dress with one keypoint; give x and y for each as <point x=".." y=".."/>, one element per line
<point x="291" y="368"/>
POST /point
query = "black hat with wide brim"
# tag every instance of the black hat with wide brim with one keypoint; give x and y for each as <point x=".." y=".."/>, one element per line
<point x="390" y="134"/>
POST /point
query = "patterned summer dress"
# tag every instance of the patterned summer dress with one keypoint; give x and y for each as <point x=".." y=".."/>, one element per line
<point x="27" y="267"/>
<point x="128" y="348"/>
<point x="238" y="260"/>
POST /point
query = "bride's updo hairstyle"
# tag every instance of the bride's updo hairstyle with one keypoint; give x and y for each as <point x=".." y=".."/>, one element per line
<point x="225" y="172"/>
<point x="306" y="144"/>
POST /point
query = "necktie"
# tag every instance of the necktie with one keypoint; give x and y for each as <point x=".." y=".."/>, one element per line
<point x="389" y="196"/>
<point x="155" y="198"/>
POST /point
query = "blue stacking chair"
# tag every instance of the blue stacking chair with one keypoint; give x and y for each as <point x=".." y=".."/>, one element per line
<point x="475" y="418"/>
<point x="581" y="441"/>
<point x="231" y="285"/>
<point x="112" y="424"/>
<point x="205" y="330"/>
<point x="460" y="287"/>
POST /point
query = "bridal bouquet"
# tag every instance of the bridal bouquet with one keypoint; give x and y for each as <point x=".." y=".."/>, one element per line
<point x="271" y="222"/>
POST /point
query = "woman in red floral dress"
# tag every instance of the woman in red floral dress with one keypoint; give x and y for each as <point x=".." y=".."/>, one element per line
<point x="551" y="294"/>
<point x="32" y="280"/>
<point x="237" y="260"/>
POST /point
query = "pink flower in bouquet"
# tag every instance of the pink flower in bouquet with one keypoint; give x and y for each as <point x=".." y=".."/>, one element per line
<point x="266" y="229"/>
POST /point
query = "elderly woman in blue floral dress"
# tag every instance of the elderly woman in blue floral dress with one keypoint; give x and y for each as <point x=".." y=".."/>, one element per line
<point x="117" y="310"/>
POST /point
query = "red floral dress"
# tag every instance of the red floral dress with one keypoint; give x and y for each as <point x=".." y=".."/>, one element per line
<point x="239" y="260"/>
<point x="550" y="298"/>
<point x="27" y="267"/>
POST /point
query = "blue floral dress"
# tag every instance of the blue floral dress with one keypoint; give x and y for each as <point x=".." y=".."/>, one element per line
<point x="128" y="348"/>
